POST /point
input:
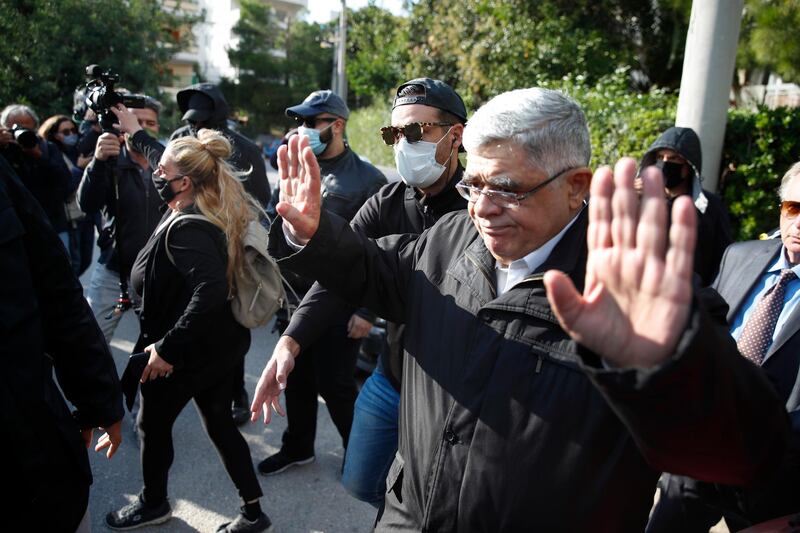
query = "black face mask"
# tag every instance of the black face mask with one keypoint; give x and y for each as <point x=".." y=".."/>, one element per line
<point x="164" y="188"/>
<point x="673" y="173"/>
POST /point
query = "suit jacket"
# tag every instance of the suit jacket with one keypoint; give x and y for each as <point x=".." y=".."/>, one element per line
<point x="742" y="266"/>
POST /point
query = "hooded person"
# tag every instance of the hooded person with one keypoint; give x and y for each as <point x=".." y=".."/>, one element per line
<point x="678" y="153"/>
<point x="204" y="106"/>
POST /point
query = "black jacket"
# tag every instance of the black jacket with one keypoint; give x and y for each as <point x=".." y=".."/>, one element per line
<point x="505" y="425"/>
<point x="46" y="324"/>
<point x="246" y="154"/>
<point x="133" y="218"/>
<point x="47" y="178"/>
<point x="185" y="308"/>
<point x="713" y="222"/>
<point x="395" y="208"/>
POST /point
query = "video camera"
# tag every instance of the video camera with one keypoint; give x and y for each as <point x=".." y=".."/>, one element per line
<point x="101" y="96"/>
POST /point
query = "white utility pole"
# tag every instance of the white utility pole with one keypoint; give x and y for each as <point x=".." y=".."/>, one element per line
<point x="709" y="60"/>
<point x="340" y="87"/>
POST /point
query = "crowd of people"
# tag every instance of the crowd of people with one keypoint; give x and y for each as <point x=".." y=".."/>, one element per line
<point x="561" y="341"/>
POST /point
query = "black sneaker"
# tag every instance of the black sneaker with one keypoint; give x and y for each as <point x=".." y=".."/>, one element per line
<point x="277" y="463"/>
<point x="243" y="525"/>
<point x="241" y="409"/>
<point x="137" y="514"/>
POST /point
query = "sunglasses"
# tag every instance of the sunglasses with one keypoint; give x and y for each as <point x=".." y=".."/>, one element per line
<point x="790" y="209"/>
<point x="311" y="122"/>
<point x="68" y="131"/>
<point x="412" y="132"/>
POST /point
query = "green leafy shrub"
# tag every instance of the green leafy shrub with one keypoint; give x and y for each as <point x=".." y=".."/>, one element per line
<point x="759" y="148"/>
<point x="622" y="121"/>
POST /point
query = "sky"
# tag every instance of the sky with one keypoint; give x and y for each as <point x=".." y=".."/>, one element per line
<point x="320" y="10"/>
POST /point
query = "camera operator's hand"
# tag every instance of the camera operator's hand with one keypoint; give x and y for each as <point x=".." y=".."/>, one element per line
<point x="107" y="146"/>
<point x="128" y="123"/>
<point x="84" y="160"/>
<point x="6" y="137"/>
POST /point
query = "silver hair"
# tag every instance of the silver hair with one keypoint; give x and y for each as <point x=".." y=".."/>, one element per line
<point x="17" y="109"/>
<point x="787" y="179"/>
<point x="549" y="125"/>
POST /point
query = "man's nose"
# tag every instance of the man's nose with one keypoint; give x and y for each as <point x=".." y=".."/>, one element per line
<point x="484" y="206"/>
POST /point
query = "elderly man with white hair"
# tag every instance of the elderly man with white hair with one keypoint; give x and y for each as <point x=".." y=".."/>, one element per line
<point x="557" y="357"/>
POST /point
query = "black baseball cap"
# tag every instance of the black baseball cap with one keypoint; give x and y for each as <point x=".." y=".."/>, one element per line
<point x="435" y="93"/>
<point x="320" y="102"/>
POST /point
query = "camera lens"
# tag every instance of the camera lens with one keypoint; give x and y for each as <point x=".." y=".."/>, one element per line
<point x="25" y="138"/>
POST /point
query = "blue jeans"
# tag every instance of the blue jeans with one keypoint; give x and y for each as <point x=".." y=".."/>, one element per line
<point x="102" y="296"/>
<point x="373" y="439"/>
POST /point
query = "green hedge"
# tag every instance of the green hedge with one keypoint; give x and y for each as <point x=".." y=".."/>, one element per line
<point x="759" y="148"/>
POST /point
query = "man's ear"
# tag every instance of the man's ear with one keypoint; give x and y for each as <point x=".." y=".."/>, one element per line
<point x="457" y="133"/>
<point x="578" y="182"/>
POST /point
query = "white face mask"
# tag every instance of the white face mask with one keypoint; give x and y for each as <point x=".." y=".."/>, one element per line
<point x="416" y="162"/>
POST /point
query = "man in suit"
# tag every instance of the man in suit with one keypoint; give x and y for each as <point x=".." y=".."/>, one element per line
<point x="759" y="281"/>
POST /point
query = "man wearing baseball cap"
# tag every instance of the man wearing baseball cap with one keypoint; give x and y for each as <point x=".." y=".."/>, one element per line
<point x="327" y="366"/>
<point x="427" y="121"/>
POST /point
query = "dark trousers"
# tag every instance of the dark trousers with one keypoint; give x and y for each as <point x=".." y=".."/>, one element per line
<point x="325" y="368"/>
<point x="162" y="401"/>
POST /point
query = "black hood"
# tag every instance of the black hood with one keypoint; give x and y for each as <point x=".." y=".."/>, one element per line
<point x="221" y="110"/>
<point x="684" y="141"/>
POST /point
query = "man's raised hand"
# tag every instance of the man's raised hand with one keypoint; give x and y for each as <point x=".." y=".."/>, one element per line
<point x="637" y="294"/>
<point x="300" y="201"/>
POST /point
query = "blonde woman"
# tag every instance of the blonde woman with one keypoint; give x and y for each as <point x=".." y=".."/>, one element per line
<point x="187" y="327"/>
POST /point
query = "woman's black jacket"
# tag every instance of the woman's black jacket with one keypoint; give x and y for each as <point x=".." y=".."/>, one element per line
<point x="185" y="308"/>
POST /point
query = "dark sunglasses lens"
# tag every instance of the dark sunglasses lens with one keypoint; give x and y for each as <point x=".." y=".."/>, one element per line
<point x="307" y="122"/>
<point x="413" y="132"/>
<point x="388" y="135"/>
<point x="790" y="209"/>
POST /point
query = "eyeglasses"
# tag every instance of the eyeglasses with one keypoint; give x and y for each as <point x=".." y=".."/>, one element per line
<point x="311" y="122"/>
<point x="412" y="132"/>
<point x="790" y="209"/>
<point x="506" y="199"/>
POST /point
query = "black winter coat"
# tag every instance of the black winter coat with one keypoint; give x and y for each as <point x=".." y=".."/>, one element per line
<point x="505" y="425"/>
<point x="46" y="325"/>
<point x="185" y="308"/>
<point x="133" y="218"/>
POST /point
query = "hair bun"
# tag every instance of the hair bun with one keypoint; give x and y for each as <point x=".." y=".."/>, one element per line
<point x="215" y="143"/>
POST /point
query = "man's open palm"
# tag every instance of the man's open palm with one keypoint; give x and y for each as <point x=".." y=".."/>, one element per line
<point x="638" y="290"/>
<point x="300" y="189"/>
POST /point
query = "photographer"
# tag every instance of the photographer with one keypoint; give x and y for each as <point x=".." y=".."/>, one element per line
<point x="130" y="219"/>
<point x="37" y="162"/>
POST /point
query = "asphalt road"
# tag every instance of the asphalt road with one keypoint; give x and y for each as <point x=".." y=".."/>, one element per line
<point x="303" y="499"/>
